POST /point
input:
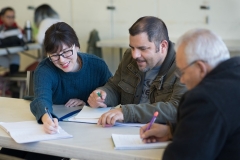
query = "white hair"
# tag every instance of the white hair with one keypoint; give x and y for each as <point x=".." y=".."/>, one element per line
<point x="202" y="44"/>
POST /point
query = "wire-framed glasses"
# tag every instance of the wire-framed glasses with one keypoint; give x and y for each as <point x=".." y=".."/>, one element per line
<point x="64" y="54"/>
<point x="180" y="72"/>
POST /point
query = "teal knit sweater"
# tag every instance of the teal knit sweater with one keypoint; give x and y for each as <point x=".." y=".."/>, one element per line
<point x="54" y="86"/>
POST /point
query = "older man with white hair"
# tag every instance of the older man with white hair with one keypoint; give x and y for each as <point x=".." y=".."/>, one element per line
<point x="208" y="125"/>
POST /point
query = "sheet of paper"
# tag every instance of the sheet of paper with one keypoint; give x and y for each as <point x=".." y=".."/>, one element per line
<point x="95" y="121"/>
<point x="88" y="112"/>
<point x="30" y="131"/>
<point x="127" y="142"/>
<point x="83" y="120"/>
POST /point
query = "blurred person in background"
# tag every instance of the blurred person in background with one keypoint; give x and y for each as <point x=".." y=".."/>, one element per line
<point x="7" y="22"/>
<point x="44" y="17"/>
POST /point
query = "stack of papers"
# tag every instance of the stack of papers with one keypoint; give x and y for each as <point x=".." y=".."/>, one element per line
<point x="91" y="115"/>
<point x="126" y="142"/>
<point x="30" y="131"/>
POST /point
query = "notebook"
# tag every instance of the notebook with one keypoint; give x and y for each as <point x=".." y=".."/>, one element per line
<point x="30" y="131"/>
<point x="127" y="142"/>
<point x="91" y="113"/>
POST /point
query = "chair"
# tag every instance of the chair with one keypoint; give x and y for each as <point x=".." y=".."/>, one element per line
<point x="19" y="77"/>
<point x="29" y="87"/>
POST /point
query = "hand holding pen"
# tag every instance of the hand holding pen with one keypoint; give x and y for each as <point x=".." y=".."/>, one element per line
<point x="50" y="124"/>
<point x="153" y="132"/>
<point x="97" y="99"/>
<point x="152" y="120"/>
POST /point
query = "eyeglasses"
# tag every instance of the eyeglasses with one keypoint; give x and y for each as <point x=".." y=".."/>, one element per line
<point x="10" y="17"/>
<point x="65" y="54"/>
<point x="179" y="72"/>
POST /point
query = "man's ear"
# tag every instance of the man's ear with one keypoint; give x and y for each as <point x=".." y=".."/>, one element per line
<point x="163" y="46"/>
<point x="204" y="68"/>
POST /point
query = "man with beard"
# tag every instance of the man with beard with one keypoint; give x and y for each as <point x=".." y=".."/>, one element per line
<point x="144" y="81"/>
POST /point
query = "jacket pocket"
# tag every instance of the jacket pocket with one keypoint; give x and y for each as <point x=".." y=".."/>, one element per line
<point x="164" y="94"/>
<point x="127" y="92"/>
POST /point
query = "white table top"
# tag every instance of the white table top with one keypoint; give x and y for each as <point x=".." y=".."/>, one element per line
<point x="31" y="46"/>
<point x="89" y="140"/>
<point x="232" y="44"/>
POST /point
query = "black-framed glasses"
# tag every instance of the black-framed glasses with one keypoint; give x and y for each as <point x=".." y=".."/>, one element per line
<point x="65" y="54"/>
<point x="179" y="72"/>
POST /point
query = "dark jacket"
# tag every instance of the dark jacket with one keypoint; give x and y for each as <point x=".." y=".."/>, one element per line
<point x="208" y="125"/>
<point x="126" y="86"/>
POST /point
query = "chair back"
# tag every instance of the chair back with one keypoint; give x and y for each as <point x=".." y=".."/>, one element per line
<point x="29" y="90"/>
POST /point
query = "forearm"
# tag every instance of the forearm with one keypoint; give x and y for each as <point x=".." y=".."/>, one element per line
<point x="143" y="112"/>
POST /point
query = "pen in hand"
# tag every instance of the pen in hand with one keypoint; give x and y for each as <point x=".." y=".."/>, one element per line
<point x="99" y="95"/>
<point x="152" y="120"/>
<point x="50" y="116"/>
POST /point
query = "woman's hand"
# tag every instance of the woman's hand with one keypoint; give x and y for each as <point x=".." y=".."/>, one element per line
<point x="74" y="102"/>
<point x="48" y="125"/>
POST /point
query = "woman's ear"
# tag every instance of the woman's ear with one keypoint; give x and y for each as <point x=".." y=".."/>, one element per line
<point x="77" y="48"/>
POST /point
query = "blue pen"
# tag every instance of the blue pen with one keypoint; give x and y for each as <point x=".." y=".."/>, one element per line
<point x="152" y="120"/>
<point x="50" y="116"/>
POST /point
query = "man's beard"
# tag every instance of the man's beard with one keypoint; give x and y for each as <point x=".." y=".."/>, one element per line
<point x="144" y="69"/>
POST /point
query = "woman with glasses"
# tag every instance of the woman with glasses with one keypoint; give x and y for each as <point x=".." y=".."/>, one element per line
<point x="66" y="76"/>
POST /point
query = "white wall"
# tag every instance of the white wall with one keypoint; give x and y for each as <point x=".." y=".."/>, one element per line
<point x="179" y="16"/>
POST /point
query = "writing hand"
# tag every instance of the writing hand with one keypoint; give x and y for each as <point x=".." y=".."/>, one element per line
<point x="97" y="99"/>
<point x="74" y="102"/>
<point x="157" y="133"/>
<point x="49" y="126"/>
<point x="109" y="118"/>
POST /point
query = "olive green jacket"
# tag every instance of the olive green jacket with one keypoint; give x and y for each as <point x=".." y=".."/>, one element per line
<point x="126" y="86"/>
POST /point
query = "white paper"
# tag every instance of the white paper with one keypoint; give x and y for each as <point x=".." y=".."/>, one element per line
<point x="88" y="112"/>
<point x="83" y="120"/>
<point x="127" y="142"/>
<point x="95" y="121"/>
<point x="30" y="131"/>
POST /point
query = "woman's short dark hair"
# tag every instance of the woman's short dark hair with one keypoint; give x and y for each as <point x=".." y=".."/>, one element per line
<point x="153" y="26"/>
<point x="58" y="34"/>
<point x="4" y="10"/>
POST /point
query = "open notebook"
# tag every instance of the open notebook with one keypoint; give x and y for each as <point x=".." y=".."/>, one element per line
<point x="91" y="115"/>
<point x="126" y="142"/>
<point x="30" y="131"/>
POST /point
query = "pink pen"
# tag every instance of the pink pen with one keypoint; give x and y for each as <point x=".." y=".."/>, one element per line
<point x="152" y="120"/>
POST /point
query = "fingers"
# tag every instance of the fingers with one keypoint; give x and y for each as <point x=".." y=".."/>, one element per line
<point x="110" y="118"/>
<point x="51" y="127"/>
<point x="97" y="99"/>
<point x="74" y="102"/>
<point x="150" y="140"/>
<point x="157" y="132"/>
<point x="142" y="130"/>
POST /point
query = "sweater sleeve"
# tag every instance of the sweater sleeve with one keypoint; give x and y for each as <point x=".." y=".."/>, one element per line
<point x="197" y="138"/>
<point x="106" y="74"/>
<point x="43" y="85"/>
